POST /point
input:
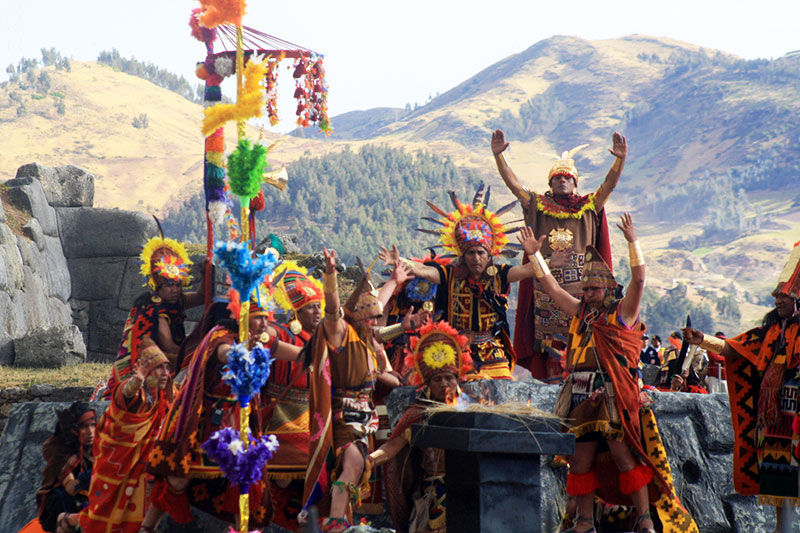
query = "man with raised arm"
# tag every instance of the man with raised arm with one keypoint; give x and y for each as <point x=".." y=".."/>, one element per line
<point x="570" y="222"/>
<point x="763" y="370"/>
<point x="347" y="360"/>
<point x="600" y="398"/>
<point x="473" y="289"/>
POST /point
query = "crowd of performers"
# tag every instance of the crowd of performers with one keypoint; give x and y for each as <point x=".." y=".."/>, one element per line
<point x="436" y="322"/>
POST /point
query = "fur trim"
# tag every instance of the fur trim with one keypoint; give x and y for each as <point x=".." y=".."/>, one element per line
<point x="582" y="484"/>
<point x="634" y="479"/>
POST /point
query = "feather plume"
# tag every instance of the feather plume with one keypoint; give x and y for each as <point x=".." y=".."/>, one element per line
<point x="506" y="208"/>
<point x="476" y="200"/>
<point x="428" y="231"/>
<point x="437" y="210"/>
<point x="429" y="219"/>
<point x="571" y="153"/>
<point x="487" y="195"/>
<point x="454" y="199"/>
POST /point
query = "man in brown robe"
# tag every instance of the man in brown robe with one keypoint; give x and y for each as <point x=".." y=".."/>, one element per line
<point x="571" y="222"/>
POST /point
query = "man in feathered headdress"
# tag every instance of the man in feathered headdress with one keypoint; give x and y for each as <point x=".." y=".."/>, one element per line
<point x="601" y="398"/>
<point x="473" y="289"/>
<point x="571" y="222"/>
<point x="763" y="370"/>
<point x="157" y="316"/>
<point x="346" y="361"/>
<point x="438" y="358"/>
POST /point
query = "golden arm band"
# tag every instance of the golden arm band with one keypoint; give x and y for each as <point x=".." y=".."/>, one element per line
<point x="378" y="457"/>
<point x="389" y="333"/>
<point x="540" y="268"/>
<point x="712" y="344"/>
<point x="617" y="164"/>
<point x="329" y="283"/>
<point x="635" y="253"/>
<point x="334" y="317"/>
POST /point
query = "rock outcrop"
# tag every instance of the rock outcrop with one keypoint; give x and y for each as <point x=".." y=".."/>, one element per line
<point x="68" y="263"/>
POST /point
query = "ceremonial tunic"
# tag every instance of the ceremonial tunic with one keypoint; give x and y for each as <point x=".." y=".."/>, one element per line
<point x="603" y="353"/>
<point x="416" y="479"/>
<point x="285" y="415"/>
<point x="204" y="405"/>
<point x="341" y="409"/>
<point x="125" y="436"/>
<point x="143" y="321"/>
<point x="477" y="309"/>
<point x="763" y="385"/>
<point x="541" y="327"/>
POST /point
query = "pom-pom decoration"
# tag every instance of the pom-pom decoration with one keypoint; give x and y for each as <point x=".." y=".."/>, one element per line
<point x="212" y="13"/>
<point x="421" y="290"/>
<point x="203" y="34"/>
<point x="246" y="166"/>
<point x="247" y="370"/>
<point x="242" y="466"/>
<point x="223" y="66"/>
<point x="249" y="105"/>
<point x="245" y="271"/>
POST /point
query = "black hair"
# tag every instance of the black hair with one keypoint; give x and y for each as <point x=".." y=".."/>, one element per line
<point x="217" y="314"/>
<point x="67" y="425"/>
<point x="657" y="338"/>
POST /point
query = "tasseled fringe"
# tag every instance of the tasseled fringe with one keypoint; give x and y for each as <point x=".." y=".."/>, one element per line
<point x="582" y="484"/>
<point x="634" y="479"/>
<point x="600" y="426"/>
<point x="286" y="475"/>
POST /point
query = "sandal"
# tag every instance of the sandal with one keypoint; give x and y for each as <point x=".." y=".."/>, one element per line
<point x="640" y="519"/>
<point x="334" y="525"/>
<point x="577" y="521"/>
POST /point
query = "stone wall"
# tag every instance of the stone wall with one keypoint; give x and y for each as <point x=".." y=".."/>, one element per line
<point x="696" y="431"/>
<point x="11" y="396"/>
<point x="73" y="265"/>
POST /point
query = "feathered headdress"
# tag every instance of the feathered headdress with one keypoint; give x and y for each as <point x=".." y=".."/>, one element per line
<point x="438" y="348"/>
<point x="565" y="165"/>
<point x="164" y="258"/>
<point x="789" y="280"/>
<point x="293" y="288"/>
<point x="472" y="225"/>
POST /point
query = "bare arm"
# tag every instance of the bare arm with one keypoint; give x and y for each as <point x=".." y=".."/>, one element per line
<point x="710" y="344"/>
<point x="418" y="270"/>
<point x="333" y="322"/>
<point x="562" y="298"/>
<point x="400" y="275"/>
<point x="528" y="240"/>
<point x="499" y="145"/>
<point x="629" y="305"/>
<point x="620" y="152"/>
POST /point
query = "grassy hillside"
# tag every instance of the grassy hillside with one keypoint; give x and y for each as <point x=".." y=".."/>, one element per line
<point x="711" y="175"/>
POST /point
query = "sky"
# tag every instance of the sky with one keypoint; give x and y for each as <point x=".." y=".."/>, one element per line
<point x="382" y="54"/>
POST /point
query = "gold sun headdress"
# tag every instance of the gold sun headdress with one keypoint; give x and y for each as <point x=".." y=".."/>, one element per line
<point x="164" y="258"/>
<point x="473" y="225"/>
<point x="565" y="165"/>
<point x="438" y="348"/>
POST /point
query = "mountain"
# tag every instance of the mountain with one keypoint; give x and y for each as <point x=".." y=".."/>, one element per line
<point x="712" y="162"/>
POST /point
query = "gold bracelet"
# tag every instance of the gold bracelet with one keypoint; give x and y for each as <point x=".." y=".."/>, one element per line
<point x="540" y="268"/>
<point x="389" y="333"/>
<point x="409" y="264"/>
<point x="329" y="283"/>
<point x="712" y="344"/>
<point x="334" y="317"/>
<point x="378" y="457"/>
<point x="635" y="253"/>
<point x="132" y="382"/>
<point x="617" y="164"/>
